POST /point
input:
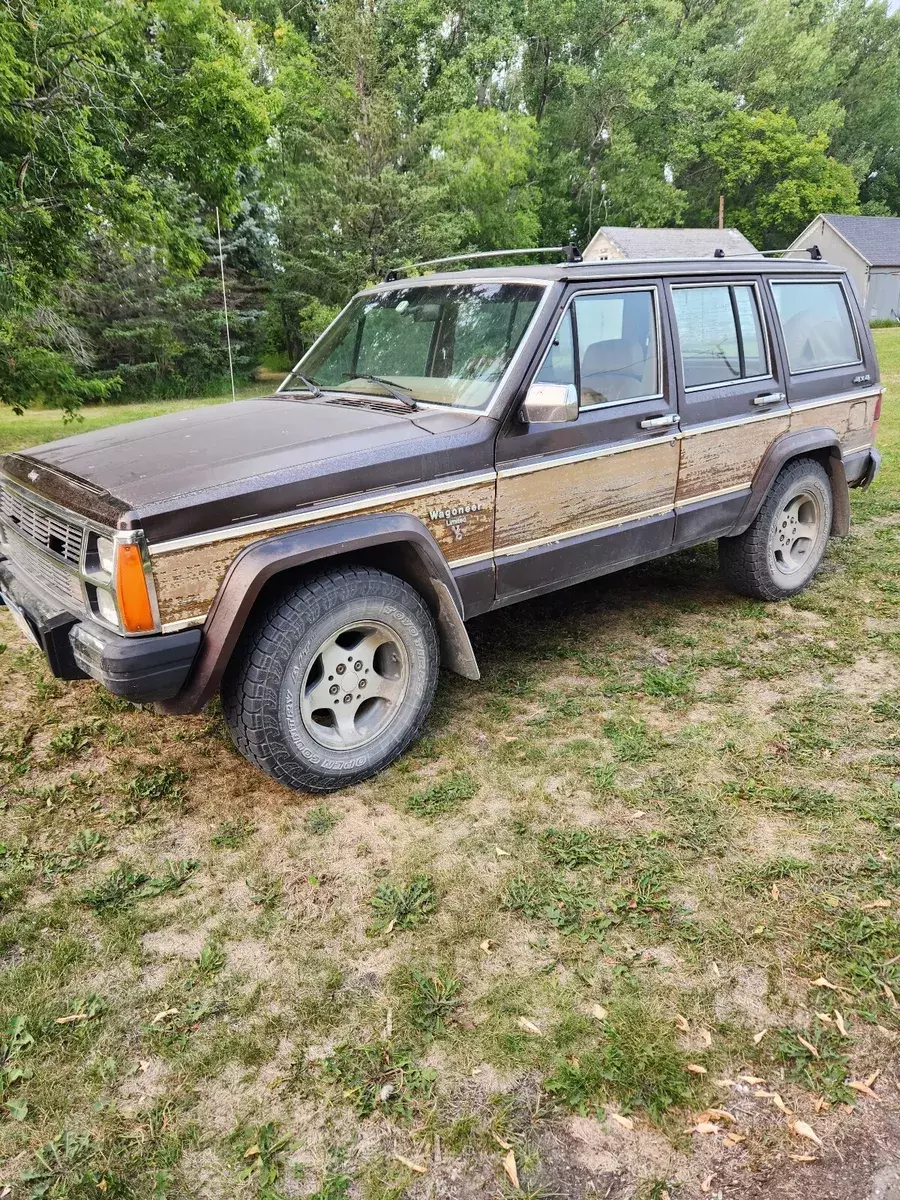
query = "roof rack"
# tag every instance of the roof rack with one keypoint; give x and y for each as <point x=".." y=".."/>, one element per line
<point x="814" y="253"/>
<point x="571" y="251"/>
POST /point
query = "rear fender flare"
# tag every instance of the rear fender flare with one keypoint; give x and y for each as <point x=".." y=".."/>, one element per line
<point x="396" y="541"/>
<point x="822" y="444"/>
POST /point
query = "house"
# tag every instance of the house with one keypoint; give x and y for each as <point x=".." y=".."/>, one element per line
<point x="622" y="241"/>
<point x="869" y="247"/>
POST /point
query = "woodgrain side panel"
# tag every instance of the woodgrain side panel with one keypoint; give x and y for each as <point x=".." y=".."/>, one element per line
<point x="850" y="419"/>
<point x="461" y="521"/>
<point x="722" y="458"/>
<point x="561" y="500"/>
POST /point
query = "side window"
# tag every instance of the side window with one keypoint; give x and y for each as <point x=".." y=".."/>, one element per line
<point x="816" y="323"/>
<point x="720" y="334"/>
<point x="616" y="347"/>
<point x="559" y="365"/>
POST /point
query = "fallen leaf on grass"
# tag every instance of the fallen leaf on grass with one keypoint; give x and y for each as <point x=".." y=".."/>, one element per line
<point x="724" y="1082"/>
<point x="695" y="1068"/>
<point x="810" y="1047"/>
<point x="734" y="1139"/>
<point x="625" y="1122"/>
<point x="775" y="892"/>
<point x="823" y="982"/>
<point x="500" y="1142"/>
<point x="883" y="903"/>
<point x="704" y="1127"/>
<point x="598" y="1011"/>
<point x="705" y="1037"/>
<point x="716" y="1114"/>
<point x="873" y="1077"/>
<point x="70" y="1019"/>
<point x="758" y="1037"/>
<point x="252" y="1151"/>
<point x="839" y="1021"/>
<point x="801" y="1129"/>
<point x="682" y="1023"/>
<point x="824" y="1017"/>
<point x="889" y="995"/>
<point x="803" y="1158"/>
<point x="413" y="1166"/>
<point x="529" y="1027"/>
<point x="500" y="852"/>
<point x="822" y="1104"/>
<point x="706" y="1185"/>
<point x="161" y="1016"/>
<point x="509" y="1166"/>
<point x="486" y="945"/>
<point x="862" y="1088"/>
<point x="753" y="1080"/>
<point x="780" y="1105"/>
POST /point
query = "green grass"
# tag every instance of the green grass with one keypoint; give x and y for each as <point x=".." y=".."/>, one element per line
<point x="38" y="425"/>
<point x="600" y="866"/>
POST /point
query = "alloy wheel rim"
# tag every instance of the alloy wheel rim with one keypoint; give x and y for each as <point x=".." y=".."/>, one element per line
<point x="354" y="686"/>
<point x="795" y="533"/>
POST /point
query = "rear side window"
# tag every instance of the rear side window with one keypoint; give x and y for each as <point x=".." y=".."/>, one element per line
<point x="720" y="334"/>
<point x="816" y="324"/>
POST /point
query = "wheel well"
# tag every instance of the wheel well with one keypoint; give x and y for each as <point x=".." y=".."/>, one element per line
<point x="829" y="458"/>
<point x="398" y="558"/>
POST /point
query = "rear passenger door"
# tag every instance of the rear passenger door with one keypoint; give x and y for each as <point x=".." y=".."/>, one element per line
<point x="732" y="398"/>
<point x="576" y="499"/>
<point x="831" y="367"/>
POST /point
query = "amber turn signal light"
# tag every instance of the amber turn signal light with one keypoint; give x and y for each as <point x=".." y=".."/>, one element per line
<point x="135" y="610"/>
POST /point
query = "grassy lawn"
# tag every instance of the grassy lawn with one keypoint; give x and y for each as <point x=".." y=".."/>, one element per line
<point x="625" y="923"/>
<point x="37" y="426"/>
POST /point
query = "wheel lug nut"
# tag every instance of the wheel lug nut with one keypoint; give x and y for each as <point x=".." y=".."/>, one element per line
<point x="348" y="698"/>
<point x="361" y="685"/>
<point x="357" y="666"/>
<point x="334" y="689"/>
<point x="340" y="669"/>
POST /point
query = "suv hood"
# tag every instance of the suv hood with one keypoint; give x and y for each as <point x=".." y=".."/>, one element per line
<point x="235" y="451"/>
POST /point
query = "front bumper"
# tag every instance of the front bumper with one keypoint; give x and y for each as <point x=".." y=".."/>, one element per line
<point x="143" y="670"/>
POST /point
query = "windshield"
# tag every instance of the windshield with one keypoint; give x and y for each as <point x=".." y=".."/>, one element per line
<point x="446" y="344"/>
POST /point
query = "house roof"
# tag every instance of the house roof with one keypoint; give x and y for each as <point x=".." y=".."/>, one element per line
<point x="672" y="243"/>
<point x="877" y="239"/>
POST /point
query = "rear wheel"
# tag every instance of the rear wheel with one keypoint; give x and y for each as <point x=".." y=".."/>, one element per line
<point x="781" y="551"/>
<point x="333" y="680"/>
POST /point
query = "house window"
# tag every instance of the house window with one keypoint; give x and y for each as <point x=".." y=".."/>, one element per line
<point x="816" y="324"/>
<point x="720" y="334"/>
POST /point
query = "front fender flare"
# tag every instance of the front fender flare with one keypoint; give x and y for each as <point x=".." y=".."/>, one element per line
<point x="822" y="442"/>
<point x="423" y="565"/>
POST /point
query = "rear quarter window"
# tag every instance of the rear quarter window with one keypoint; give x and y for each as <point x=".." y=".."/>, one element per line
<point x="816" y="325"/>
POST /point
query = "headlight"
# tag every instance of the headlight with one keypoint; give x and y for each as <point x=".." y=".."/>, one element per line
<point x="106" y="606"/>
<point x="106" y="553"/>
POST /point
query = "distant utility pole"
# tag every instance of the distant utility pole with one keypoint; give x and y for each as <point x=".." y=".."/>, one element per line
<point x="721" y="211"/>
<point x="225" y="303"/>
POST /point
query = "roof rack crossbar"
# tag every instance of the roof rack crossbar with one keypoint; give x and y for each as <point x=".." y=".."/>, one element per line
<point x="571" y="251"/>
<point x="813" y="251"/>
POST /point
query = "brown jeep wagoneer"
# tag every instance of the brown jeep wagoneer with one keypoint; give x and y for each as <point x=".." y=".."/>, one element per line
<point x="452" y="443"/>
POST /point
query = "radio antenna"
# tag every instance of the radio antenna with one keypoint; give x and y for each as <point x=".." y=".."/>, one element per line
<point x="225" y="303"/>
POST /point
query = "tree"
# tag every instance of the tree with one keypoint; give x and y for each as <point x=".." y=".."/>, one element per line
<point x="775" y="178"/>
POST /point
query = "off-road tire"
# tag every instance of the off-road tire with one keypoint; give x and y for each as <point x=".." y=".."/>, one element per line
<point x="749" y="562"/>
<point x="263" y="688"/>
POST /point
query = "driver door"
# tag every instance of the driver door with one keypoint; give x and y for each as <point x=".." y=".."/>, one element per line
<point x="579" y="498"/>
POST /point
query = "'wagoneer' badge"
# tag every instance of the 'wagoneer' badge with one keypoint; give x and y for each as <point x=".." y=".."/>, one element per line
<point x="455" y="518"/>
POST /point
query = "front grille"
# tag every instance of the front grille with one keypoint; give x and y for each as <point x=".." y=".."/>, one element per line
<point x="54" y="533"/>
<point x="53" y="577"/>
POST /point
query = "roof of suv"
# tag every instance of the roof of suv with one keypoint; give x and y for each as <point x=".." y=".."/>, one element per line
<point x="622" y="269"/>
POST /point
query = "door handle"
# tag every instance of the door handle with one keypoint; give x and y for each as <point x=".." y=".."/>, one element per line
<point x="769" y="398"/>
<point x="661" y="422"/>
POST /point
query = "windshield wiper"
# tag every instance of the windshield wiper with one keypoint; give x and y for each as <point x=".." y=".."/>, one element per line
<point x="310" y="384"/>
<point x="397" y="390"/>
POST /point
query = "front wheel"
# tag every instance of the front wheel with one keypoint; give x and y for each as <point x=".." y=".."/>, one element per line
<point x="334" y="680"/>
<point x="782" y="549"/>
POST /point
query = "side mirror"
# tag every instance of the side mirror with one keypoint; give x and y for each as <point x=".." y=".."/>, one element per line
<point x="549" y="404"/>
